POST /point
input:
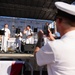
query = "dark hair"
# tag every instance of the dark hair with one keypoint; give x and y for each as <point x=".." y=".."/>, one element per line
<point x="5" y="25"/>
<point x="28" y="26"/>
<point x="63" y="15"/>
<point x="46" y="23"/>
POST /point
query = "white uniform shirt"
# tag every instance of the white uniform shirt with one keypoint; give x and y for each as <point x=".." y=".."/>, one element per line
<point x="20" y="36"/>
<point x="29" y="40"/>
<point x="29" y="32"/>
<point x="59" y="55"/>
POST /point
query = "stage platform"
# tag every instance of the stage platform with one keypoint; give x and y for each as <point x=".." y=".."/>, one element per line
<point x="16" y="55"/>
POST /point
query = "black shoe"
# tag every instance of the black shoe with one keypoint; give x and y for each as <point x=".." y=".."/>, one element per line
<point x="17" y="48"/>
<point x="2" y="51"/>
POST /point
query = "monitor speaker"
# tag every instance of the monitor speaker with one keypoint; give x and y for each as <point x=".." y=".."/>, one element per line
<point x="28" y="48"/>
<point x="35" y="29"/>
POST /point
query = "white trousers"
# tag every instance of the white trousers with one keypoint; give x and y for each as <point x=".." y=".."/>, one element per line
<point x="4" y="43"/>
<point x="30" y="40"/>
<point x="18" y="43"/>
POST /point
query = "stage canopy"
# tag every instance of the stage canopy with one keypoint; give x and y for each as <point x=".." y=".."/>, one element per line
<point x="37" y="9"/>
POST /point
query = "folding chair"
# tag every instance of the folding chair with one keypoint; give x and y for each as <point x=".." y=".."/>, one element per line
<point x="31" y="68"/>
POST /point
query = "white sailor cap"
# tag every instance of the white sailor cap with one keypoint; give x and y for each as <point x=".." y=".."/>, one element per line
<point x="68" y="8"/>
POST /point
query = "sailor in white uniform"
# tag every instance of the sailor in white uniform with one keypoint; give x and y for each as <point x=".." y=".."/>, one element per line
<point x="59" y="55"/>
<point x="18" y="40"/>
<point x="5" y="38"/>
<point x="29" y="35"/>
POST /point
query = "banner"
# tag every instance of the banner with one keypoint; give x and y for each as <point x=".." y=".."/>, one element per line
<point x="10" y="67"/>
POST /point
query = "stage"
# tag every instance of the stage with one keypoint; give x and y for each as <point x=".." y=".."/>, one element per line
<point x="17" y="56"/>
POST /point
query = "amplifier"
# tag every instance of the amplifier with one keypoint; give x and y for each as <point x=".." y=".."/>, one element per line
<point x="28" y="48"/>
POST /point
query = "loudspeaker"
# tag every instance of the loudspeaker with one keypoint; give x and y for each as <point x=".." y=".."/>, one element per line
<point x="2" y="32"/>
<point x="35" y="29"/>
<point x="28" y="48"/>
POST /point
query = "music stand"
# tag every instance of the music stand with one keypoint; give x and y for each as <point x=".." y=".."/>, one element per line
<point x="35" y="29"/>
<point x="2" y="32"/>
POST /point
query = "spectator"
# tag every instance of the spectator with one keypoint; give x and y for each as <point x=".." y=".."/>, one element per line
<point x="59" y="55"/>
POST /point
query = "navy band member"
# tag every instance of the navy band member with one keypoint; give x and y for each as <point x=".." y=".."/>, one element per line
<point x="5" y="37"/>
<point x="29" y="35"/>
